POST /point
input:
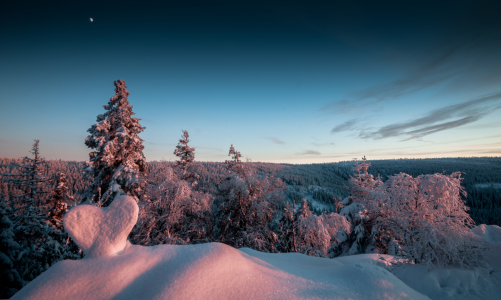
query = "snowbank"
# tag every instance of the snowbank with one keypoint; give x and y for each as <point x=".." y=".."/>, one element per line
<point x="456" y="283"/>
<point x="213" y="271"/>
<point x="116" y="269"/>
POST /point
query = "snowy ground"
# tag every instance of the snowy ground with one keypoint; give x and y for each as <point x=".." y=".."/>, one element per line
<point x="495" y="185"/>
<point x="217" y="271"/>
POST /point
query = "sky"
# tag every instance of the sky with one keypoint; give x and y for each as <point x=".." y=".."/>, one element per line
<point x="285" y="82"/>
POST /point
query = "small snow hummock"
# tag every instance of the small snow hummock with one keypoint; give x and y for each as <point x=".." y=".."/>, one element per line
<point x="102" y="231"/>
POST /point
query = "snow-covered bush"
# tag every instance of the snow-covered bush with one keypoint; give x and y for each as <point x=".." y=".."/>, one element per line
<point x="320" y="235"/>
<point x="424" y="219"/>
<point x="173" y="213"/>
<point x="117" y="159"/>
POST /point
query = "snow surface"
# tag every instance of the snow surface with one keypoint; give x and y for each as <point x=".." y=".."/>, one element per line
<point x="218" y="271"/>
<point x="213" y="271"/>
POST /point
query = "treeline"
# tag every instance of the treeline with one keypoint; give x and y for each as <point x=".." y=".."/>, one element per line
<point x="480" y="176"/>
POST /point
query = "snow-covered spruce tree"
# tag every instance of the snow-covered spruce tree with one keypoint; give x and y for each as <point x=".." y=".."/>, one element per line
<point x="117" y="162"/>
<point x="186" y="156"/>
<point x="234" y="165"/>
<point x="58" y="202"/>
<point x="57" y="206"/>
<point x="425" y="219"/>
<point x="10" y="281"/>
<point x="173" y="214"/>
<point x="362" y="235"/>
<point x="287" y="235"/>
<point x="246" y="202"/>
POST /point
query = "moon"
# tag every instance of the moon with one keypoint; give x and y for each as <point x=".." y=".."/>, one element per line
<point x="91" y="19"/>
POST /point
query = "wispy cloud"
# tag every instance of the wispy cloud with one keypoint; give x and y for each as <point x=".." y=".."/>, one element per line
<point x="323" y="144"/>
<point x="433" y="70"/>
<point x="439" y="120"/>
<point x="309" y="152"/>
<point x="348" y="125"/>
<point x="275" y="140"/>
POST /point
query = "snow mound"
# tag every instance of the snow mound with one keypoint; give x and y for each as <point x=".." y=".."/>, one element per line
<point x="456" y="283"/>
<point x="489" y="233"/>
<point x="102" y="231"/>
<point x="214" y="271"/>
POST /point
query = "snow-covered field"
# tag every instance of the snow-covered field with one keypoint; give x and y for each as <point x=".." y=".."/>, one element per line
<point x="217" y="271"/>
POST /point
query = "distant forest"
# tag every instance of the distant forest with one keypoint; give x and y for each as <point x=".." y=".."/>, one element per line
<point x="324" y="183"/>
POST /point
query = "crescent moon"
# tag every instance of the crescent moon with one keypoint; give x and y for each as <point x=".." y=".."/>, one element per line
<point x="91" y="19"/>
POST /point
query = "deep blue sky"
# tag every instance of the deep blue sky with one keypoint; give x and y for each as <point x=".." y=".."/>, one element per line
<point x="296" y="82"/>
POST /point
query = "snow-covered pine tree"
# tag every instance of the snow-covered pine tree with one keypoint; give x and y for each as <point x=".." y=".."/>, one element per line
<point x="287" y="234"/>
<point x="57" y="206"/>
<point x="355" y="211"/>
<point x="117" y="162"/>
<point x="10" y="281"/>
<point x="246" y="203"/>
<point x="186" y="156"/>
<point x="58" y="202"/>
<point x="303" y="211"/>
<point x="235" y="164"/>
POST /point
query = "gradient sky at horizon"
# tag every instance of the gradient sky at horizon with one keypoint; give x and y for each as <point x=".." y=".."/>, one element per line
<point x="294" y="81"/>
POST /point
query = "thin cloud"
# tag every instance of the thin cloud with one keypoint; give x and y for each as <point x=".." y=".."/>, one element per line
<point x="323" y="144"/>
<point x="310" y="152"/>
<point x="348" y="125"/>
<point x="429" y="74"/>
<point x="432" y="72"/>
<point x="275" y="140"/>
<point x="439" y="120"/>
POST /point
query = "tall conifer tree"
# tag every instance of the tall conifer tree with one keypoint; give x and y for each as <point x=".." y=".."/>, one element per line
<point x="117" y="161"/>
<point x="186" y="156"/>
